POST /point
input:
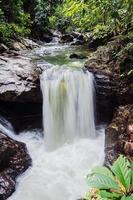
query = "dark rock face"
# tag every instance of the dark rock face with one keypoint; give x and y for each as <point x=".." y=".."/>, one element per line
<point x="97" y="41"/>
<point x="43" y="35"/>
<point x="119" y="134"/>
<point x="79" y="39"/>
<point x="19" y="79"/>
<point x="14" y="160"/>
<point x="111" y="89"/>
<point x="77" y="56"/>
<point x="23" y="116"/>
<point x="3" y="48"/>
<point x="47" y="37"/>
<point x="67" y="38"/>
<point x="105" y="88"/>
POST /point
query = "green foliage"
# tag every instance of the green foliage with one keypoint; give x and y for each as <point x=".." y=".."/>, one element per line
<point x="12" y="31"/>
<point x="100" y="16"/>
<point x="114" y="15"/>
<point x="114" y="183"/>
<point x="14" y="22"/>
<point x="126" y="65"/>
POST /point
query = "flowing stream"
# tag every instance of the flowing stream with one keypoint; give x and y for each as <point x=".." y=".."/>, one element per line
<point x="70" y="145"/>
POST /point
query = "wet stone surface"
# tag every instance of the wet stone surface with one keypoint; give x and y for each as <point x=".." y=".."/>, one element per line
<point x="14" y="161"/>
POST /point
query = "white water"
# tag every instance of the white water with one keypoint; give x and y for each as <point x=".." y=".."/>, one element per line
<point x="68" y="112"/>
<point x="60" y="174"/>
<point x="69" y="132"/>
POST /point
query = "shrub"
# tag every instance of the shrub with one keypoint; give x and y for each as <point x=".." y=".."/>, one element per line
<point x="12" y="31"/>
<point x="114" y="183"/>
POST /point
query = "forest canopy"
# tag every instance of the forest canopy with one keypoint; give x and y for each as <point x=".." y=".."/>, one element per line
<point x="22" y="17"/>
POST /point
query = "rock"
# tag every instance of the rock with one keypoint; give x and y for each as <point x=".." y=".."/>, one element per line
<point x="22" y="115"/>
<point x="79" y="39"/>
<point x="21" y="44"/>
<point x="76" y="34"/>
<point x="118" y="137"/>
<point x="45" y="35"/>
<point x="47" y="38"/>
<point x="77" y="56"/>
<point x="97" y="41"/>
<point x="14" y="160"/>
<point x="128" y="149"/>
<point x="19" y="80"/>
<point x="29" y="44"/>
<point x="78" y="42"/>
<point x="3" y="48"/>
<point x="17" y="46"/>
<point x="67" y="38"/>
<point x="111" y="89"/>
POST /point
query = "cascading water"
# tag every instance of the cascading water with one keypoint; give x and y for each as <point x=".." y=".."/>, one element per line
<point x="72" y="145"/>
<point x="68" y="111"/>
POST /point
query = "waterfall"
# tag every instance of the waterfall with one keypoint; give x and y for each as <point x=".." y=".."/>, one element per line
<point x="68" y="111"/>
<point x="68" y="120"/>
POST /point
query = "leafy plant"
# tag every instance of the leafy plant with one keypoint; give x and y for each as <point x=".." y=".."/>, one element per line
<point x="114" y="183"/>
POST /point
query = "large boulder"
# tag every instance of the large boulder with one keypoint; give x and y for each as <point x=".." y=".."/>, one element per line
<point x="14" y="160"/>
<point x="19" y="79"/>
<point x="21" y="44"/>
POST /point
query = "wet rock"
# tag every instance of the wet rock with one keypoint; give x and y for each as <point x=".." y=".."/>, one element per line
<point x="79" y="39"/>
<point x="22" y="115"/>
<point x="78" y="42"/>
<point x="14" y="160"/>
<point x="76" y="34"/>
<point x="19" y="79"/>
<point x="47" y="38"/>
<point x="3" y="48"/>
<point x="67" y="38"/>
<point x="77" y="56"/>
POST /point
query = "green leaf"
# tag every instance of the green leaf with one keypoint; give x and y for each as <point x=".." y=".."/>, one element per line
<point x="132" y="173"/>
<point x="102" y="181"/>
<point x="122" y="170"/>
<point x="103" y="170"/>
<point x="111" y="195"/>
<point x="127" y="198"/>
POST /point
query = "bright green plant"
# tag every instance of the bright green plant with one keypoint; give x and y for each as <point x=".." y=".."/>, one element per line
<point x="114" y="183"/>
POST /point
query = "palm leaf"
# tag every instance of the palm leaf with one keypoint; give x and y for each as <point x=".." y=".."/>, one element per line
<point x="122" y="170"/>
